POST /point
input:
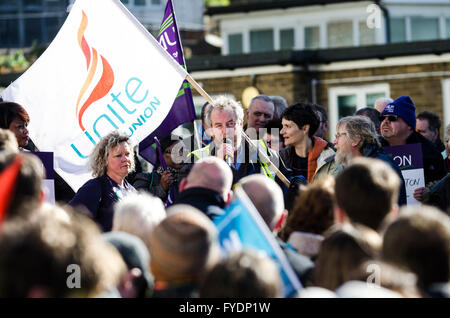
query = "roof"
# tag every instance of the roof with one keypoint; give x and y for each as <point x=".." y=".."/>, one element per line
<point x="239" y="6"/>
<point x="320" y="56"/>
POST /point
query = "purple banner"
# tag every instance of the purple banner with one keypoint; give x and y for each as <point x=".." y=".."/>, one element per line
<point x="48" y="184"/>
<point x="407" y="157"/>
<point x="47" y="161"/>
<point x="182" y="110"/>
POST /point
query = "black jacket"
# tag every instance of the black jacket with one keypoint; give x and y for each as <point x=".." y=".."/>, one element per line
<point x="208" y="201"/>
<point x="433" y="163"/>
<point x="373" y="151"/>
<point x="252" y="164"/>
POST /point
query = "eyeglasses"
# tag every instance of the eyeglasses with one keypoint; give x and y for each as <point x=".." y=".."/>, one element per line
<point x="169" y="152"/>
<point x="339" y="135"/>
<point x="390" y="118"/>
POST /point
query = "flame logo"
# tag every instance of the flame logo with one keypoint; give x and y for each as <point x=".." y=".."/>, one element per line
<point x="92" y="64"/>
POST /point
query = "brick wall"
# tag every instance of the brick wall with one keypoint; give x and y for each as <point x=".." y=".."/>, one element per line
<point x="426" y="91"/>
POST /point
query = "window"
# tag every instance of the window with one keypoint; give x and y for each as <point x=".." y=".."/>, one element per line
<point x="33" y="31"/>
<point x="366" y="34"/>
<point x="340" y="34"/>
<point x="9" y="3"/>
<point x="447" y="27"/>
<point x="34" y="3"/>
<point x="261" y="41"/>
<point x="235" y="44"/>
<point x="55" y="3"/>
<point x="125" y="1"/>
<point x="446" y="101"/>
<point x="9" y="33"/>
<point x="139" y="2"/>
<point x="346" y="100"/>
<point x="156" y="2"/>
<point x="398" y="30"/>
<point x="52" y="26"/>
<point x="424" y="28"/>
<point x="312" y="37"/>
<point x="346" y="105"/>
<point x="372" y="97"/>
<point x="286" y="39"/>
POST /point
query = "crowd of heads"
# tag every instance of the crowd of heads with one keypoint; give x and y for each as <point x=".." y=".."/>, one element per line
<point x="348" y="230"/>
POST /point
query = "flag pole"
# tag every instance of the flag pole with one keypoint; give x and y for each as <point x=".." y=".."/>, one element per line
<point x="264" y="156"/>
<point x="197" y="136"/>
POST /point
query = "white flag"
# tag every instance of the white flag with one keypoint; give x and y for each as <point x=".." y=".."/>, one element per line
<point x="102" y="72"/>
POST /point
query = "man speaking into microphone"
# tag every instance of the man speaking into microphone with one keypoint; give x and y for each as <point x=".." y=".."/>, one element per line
<point x="225" y="117"/>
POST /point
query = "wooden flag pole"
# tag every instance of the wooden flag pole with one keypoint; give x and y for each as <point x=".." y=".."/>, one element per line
<point x="267" y="160"/>
<point x="261" y="153"/>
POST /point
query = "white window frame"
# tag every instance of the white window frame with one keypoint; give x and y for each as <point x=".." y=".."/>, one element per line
<point x="277" y="35"/>
<point x="155" y="5"/>
<point x="226" y="44"/>
<point x="355" y="35"/>
<point x="408" y="29"/>
<point x="446" y="100"/>
<point x="359" y="90"/>
<point x="322" y="31"/>
<point x="140" y="5"/>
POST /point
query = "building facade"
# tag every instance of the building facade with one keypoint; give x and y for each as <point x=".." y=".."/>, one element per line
<point x="24" y="22"/>
<point x="27" y="22"/>
<point x="340" y="54"/>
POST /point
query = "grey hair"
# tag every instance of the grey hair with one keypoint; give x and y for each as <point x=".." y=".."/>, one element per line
<point x="263" y="98"/>
<point x="8" y="141"/>
<point x="98" y="160"/>
<point x="138" y="214"/>
<point x="447" y="129"/>
<point x="360" y="127"/>
<point x="280" y="104"/>
<point x="386" y="100"/>
<point x="223" y="103"/>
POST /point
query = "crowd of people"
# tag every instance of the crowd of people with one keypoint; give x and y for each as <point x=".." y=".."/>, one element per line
<point x="337" y="211"/>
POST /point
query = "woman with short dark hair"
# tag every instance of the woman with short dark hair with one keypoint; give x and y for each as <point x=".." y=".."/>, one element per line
<point x="15" y="118"/>
<point x="306" y="154"/>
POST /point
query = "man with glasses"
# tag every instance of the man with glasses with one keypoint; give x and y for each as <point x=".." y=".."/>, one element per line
<point x="356" y="137"/>
<point x="398" y="127"/>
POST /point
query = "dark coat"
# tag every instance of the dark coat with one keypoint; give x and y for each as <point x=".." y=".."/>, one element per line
<point x="433" y="163"/>
<point x="208" y="201"/>
<point x="151" y="182"/>
<point x="439" y="194"/>
<point x="373" y="151"/>
<point x="99" y="196"/>
<point x="248" y="167"/>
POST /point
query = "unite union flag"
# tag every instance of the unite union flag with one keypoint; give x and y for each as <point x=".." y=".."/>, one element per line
<point x="103" y="71"/>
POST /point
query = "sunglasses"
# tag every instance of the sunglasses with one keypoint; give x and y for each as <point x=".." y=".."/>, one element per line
<point x="390" y="118"/>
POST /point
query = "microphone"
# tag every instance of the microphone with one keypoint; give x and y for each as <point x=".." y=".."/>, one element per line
<point x="228" y="159"/>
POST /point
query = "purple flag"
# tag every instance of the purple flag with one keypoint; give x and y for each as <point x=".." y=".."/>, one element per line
<point x="182" y="110"/>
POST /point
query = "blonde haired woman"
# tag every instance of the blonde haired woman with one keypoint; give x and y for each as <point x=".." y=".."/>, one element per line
<point x="111" y="161"/>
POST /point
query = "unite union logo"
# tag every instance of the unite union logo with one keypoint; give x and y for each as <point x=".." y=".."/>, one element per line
<point x="130" y="109"/>
<point x="94" y="63"/>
